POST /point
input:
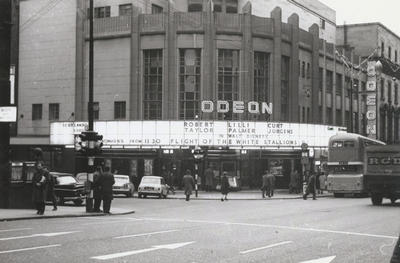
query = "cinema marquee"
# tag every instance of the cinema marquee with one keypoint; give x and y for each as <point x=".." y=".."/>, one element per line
<point x="222" y="106"/>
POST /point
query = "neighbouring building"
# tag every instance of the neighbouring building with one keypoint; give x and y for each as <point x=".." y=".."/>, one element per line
<point x="375" y="43"/>
<point x="157" y="63"/>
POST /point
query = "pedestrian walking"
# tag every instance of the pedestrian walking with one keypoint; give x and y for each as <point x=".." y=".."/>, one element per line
<point x="270" y="183"/>
<point x="170" y="182"/>
<point x="50" y="187"/>
<point x="106" y="182"/>
<point x="293" y="184"/>
<point x="311" y="186"/>
<point x="224" y="186"/>
<point x="209" y="174"/>
<point x="97" y="189"/>
<point x="264" y="183"/>
<point x="322" y="183"/>
<point x="188" y="184"/>
<point x="39" y="191"/>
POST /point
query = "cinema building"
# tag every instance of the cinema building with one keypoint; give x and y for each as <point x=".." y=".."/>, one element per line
<point x="247" y="81"/>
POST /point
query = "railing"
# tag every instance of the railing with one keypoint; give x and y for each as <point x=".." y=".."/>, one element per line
<point x="109" y="26"/>
<point x="263" y="26"/>
<point x="189" y="21"/>
<point x="228" y="22"/>
<point x="152" y="23"/>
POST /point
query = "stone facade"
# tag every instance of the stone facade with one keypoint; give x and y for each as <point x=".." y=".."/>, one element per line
<point x="54" y="66"/>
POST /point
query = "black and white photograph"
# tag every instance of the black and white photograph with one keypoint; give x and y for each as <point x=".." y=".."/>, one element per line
<point x="199" y="131"/>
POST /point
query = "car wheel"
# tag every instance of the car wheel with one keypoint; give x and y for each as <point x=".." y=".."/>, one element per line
<point x="393" y="200"/>
<point x="78" y="202"/>
<point x="59" y="200"/>
<point x="376" y="199"/>
<point x="144" y="196"/>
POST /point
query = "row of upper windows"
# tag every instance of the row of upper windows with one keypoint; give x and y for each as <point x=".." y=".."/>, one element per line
<point x="123" y="10"/>
<point x="54" y="111"/>
<point x="303" y="72"/>
<point x="389" y="52"/>
<point x="387" y="92"/>
<point x="224" y="6"/>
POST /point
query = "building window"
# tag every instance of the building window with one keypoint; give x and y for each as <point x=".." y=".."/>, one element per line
<point x="155" y="9"/>
<point x="231" y="6"/>
<point x="96" y="110"/>
<point x="390" y="52"/>
<point x="285" y="67"/>
<point x="303" y="69"/>
<point x="195" y="7"/>
<point x="396" y="93"/>
<point x="189" y="83"/>
<point x="36" y="112"/>
<point x="308" y="75"/>
<point x="322" y="23"/>
<point x="339" y="117"/>
<point x="382" y="49"/>
<point x="119" y="110"/>
<point x="321" y="78"/>
<point x="125" y="10"/>
<point x="339" y="84"/>
<point x="382" y="90"/>
<point x="303" y="114"/>
<point x="329" y="118"/>
<point x="261" y="68"/>
<point x="217" y="6"/>
<point x="101" y="12"/>
<point x="348" y="86"/>
<point x="153" y="73"/>
<point x="395" y="56"/>
<point x="54" y="111"/>
<point x="329" y="81"/>
<point x="389" y="91"/>
<point x="228" y="78"/>
<point x="308" y="115"/>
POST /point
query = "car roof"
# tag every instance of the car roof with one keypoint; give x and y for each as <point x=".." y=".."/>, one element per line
<point x="151" y="177"/>
<point x="60" y="174"/>
<point x="121" y="175"/>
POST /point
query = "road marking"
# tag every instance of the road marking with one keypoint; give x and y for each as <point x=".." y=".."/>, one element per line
<point x="15" y="229"/>
<point x="269" y="246"/>
<point x="28" y="248"/>
<point x="320" y="260"/>
<point x="148" y="234"/>
<point x="39" y="235"/>
<point x="134" y="252"/>
<point x="274" y="226"/>
<point x="110" y="222"/>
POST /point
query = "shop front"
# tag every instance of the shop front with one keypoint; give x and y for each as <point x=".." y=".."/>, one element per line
<point x="243" y="149"/>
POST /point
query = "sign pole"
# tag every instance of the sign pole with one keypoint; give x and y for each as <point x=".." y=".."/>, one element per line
<point x="5" y="52"/>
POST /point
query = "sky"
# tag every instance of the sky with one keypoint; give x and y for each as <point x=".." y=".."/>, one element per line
<point x="386" y="12"/>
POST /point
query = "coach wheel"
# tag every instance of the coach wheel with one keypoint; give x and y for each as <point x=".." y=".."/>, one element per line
<point x="376" y="199"/>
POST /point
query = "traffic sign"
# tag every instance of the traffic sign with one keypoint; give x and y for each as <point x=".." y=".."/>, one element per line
<point x="8" y="114"/>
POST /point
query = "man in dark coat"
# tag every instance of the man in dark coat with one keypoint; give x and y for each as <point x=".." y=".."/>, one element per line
<point x="293" y="184"/>
<point x="39" y="184"/>
<point x="97" y="189"/>
<point x="270" y="184"/>
<point x="224" y="186"/>
<point x="106" y="181"/>
<point x="188" y="184"/>
<point x="209" y="174"/>
<point x="310" y="187"/>
<point x="264" y="183"/>
<point x="50" y="188"/>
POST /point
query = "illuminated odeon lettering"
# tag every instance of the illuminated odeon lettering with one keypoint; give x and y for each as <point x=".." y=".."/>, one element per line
<point x="222" y="106"/>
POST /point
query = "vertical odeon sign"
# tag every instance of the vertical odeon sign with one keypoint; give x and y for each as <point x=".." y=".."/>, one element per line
<point x="371" y="100"/>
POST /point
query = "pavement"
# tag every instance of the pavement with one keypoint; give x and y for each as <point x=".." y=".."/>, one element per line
<point x="279" y="194"/>
<point x="79" y="211"/>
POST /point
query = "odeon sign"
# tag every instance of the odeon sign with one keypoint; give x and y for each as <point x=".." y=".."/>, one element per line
<point x="222" y="106"/>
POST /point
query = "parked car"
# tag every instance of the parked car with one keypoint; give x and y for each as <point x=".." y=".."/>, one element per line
<point x="123" y="185"/>
<point x="81" y="178"/>
<point x="67" y="188"/>
<point x="153" y="185"/>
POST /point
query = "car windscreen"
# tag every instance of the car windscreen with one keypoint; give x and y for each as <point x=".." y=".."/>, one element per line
<point x="66" y="180"/>
<point x="151" y="180"/>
